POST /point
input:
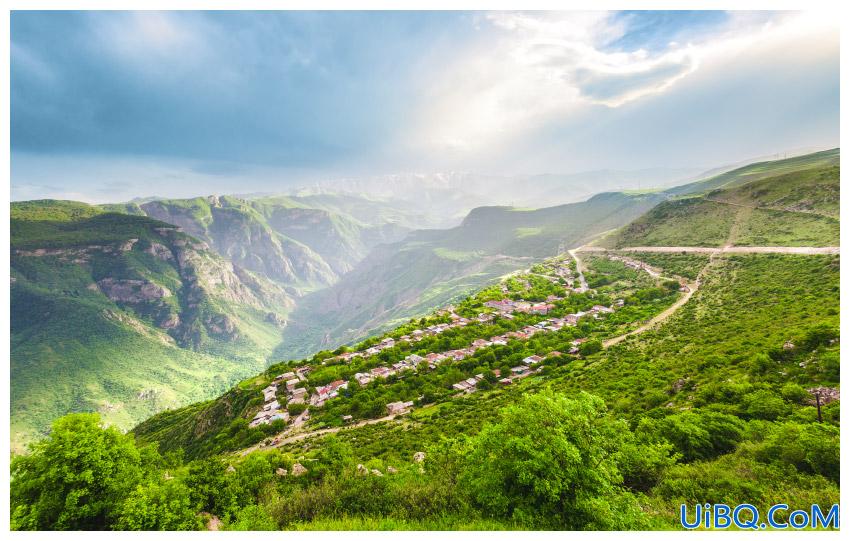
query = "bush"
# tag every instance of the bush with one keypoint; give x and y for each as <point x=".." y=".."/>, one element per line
<point x="251" y="518"/>
<point x="810" y="448"/>
<point x="698" y="434"/>
<point x="590" y="347"/>
<point x="164" y="506"/>
<point x="764" y="404"/>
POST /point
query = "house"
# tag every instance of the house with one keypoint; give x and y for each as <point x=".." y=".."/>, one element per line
<point x="578" y="341"/>
<point x="619" y="302"/>
<point x="279" y="416"/>
<point x="483" y="318"/>
<point x="532" y="359"/>
<point x="570" y="319"/>
<point x="331" y="389"/>
<point x="397" y="408"/>
<point x="362" y="378"/>
<point x="414" y="359"/>
<point x="261" y="418"/>
<point x="454" y="354"/>
<point x="417" y="334"/>
<point x="480" y="343"/>
<point x="347" y="418"/>
<point x="271" y="406"/>
<point x="599" y="309"/>
<point x="381" y="372"/>
<point x="460" y="386"/>
<point x="373" y="350"/>
<point x="541" y="308"/>
<point x="517" y="370"/>
<point x="506" y="381"/>
<point x="405" y="338"/>
<point x="504" y="305"/>
<point x="291" y="384"/>
<point x="500" y="341"/>
<point x="554" y="354"/>
<point x="269" y="393"/>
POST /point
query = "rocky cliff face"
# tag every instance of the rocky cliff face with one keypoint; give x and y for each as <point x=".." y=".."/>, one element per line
<point x="233" y="230"/>
<point x="116" y="307"/>
<point x="296" y="246"/>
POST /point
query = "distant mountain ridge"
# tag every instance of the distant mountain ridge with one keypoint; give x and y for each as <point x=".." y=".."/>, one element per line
<point x="430" y="267"/>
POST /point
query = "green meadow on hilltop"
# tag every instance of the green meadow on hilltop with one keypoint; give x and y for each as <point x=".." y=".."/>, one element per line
<point x="785" y="203"/>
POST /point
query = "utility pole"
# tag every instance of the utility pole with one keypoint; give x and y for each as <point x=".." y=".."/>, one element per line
<point x="817" y="401"/>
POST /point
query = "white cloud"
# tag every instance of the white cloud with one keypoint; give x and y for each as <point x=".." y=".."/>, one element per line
<point x="531" y="68"/>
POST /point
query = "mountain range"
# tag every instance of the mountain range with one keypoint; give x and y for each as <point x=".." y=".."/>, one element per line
<point x="175" y="300"/>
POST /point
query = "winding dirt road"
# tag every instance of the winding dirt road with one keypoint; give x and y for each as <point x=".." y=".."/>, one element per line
<point x="321" y="432"/>
<point x="693" y="286"/>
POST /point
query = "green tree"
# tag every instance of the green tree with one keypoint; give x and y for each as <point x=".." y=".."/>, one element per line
<point x="551" y="462"/>
<point x="207" y="484"/>
<point x="590" y="347"/>
<point x="76" y="478"/>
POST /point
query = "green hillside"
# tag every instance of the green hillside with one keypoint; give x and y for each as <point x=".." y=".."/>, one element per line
<point x="791" y="202"/>
<point x="432" y="267"/>
<point x="533" y="403"/>
<point x="712" y="405"/>
<point x="126" y="315"/>
<point x="757" y="171"/>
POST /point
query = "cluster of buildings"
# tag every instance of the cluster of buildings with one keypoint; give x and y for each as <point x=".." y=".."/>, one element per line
<point x="508" y="306"/>
<point x="327" y="392"/>
<point x="295" y="394"/>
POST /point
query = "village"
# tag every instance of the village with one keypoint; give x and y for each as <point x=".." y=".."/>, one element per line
<point x="292" y="386"/>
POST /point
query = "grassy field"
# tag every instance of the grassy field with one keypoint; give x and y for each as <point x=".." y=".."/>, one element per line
<point x="789" y="203"/>
<point x="761" y="170"/>
<point x="685" y="222"/>
<point x="783" y="228"/>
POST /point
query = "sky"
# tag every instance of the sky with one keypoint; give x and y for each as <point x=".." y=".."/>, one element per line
<point x="107" y="106"/>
